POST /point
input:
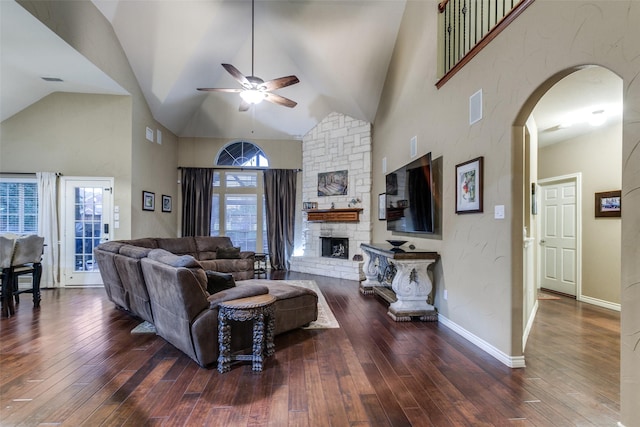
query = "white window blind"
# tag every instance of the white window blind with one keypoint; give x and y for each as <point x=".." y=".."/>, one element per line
<point x="18" y="205"/>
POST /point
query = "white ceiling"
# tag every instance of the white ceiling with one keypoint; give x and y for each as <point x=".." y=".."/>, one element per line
<point x="339" y="50"/>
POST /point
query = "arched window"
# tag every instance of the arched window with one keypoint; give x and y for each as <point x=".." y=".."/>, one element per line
<point x="242" y="153"/>
<point x="238" y="208"/>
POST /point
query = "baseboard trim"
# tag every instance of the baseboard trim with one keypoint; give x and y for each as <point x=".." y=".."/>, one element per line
<point x="527" y="329"/>
<point x="600" y="303"/>
<point x="510" y="361"/>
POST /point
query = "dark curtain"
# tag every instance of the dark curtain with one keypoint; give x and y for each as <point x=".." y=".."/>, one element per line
<point x="419" y="199"/>
<point x="280" y="200"/>
<point x="196" y="201"/>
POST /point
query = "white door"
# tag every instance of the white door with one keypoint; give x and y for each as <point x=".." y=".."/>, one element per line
<point x="559" y="231"/>
<point x="86" y="222"/>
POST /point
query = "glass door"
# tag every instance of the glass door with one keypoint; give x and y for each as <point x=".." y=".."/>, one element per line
<point x="86" y="223"/>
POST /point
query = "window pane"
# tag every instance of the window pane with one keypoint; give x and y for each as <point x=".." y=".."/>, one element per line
<point x="215" y="215"/>
<point x="88" y="226"/>
<point x="241" y="179"/>
<point x="19" y="207"/>
<point x="242" y="153"/>
<point x="241" y="220"/>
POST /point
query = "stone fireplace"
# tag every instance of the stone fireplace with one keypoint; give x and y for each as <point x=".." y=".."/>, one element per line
<point x="337" y="143"/>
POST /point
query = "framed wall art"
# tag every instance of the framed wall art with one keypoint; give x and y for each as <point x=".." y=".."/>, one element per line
<point x="148" y="201"/>
<point x="166" y="203"/>
<point x="333" y="183"/>
<point x="609" y="204"/>
<point x="469" y="181"/>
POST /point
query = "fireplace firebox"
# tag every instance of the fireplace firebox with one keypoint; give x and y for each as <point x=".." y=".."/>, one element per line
<point x="335" y="247"/>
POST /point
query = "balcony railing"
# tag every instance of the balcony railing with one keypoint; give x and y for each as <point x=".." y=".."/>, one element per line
<point x="466" y="26"/>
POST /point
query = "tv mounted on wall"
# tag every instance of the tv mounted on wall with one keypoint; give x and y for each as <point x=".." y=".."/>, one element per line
<point x="410" y="197"/>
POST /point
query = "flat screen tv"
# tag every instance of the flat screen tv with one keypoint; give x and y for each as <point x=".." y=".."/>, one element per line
<point x="410" y="197"/>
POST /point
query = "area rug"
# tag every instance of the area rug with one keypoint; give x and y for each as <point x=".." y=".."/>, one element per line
<point x="326" y="319"/>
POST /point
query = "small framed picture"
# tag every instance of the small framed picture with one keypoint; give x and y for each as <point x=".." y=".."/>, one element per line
<point x="148" y="201"/>
<point x="469" y="186"/>
<point x="609" y="204"/>
<point x="382" y="206"/>
<point x="166" y="203"/>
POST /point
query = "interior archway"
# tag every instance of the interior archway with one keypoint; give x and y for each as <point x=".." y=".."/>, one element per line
<point x="525" y="134"/>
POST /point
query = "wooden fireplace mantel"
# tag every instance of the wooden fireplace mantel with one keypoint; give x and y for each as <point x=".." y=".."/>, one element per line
<point x="334" y="215"/>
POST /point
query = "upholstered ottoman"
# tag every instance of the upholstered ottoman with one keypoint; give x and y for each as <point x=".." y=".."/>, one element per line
<point x="294" y="307"/>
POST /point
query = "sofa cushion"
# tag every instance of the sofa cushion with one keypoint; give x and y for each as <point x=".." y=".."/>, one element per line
<point x="136" y="252"/>
<point x="173" y="260"/>
<point x="237" y="292"/>
<point x="111" y="246"/>
<point x="228" y="253"/>
<point x="178" y="245"/>
<point x="207" y="245"/>
<point x="217" y="281"/>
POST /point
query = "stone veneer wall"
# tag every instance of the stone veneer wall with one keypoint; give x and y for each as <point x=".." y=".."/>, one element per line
<point x="337" y="143"/>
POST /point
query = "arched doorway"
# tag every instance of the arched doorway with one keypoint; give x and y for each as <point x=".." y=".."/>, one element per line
<point x="554" y="145"/>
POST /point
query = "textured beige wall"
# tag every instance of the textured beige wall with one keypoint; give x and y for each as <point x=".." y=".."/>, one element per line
<point x="598" y="157"/>
<point x="202" y="152"/>
<point x="76" y="135"/>
<point x="481" y="256"/>
<point x="152" y="166"/>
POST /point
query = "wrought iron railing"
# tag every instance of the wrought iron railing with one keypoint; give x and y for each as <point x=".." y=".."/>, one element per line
<point x="466" y="26"/>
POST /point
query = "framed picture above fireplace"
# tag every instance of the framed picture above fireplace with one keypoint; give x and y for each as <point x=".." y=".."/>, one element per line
<point x="333" y="183"/>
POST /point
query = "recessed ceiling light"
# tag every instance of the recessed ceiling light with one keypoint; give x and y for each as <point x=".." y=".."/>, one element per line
<point x="52" y="79"/>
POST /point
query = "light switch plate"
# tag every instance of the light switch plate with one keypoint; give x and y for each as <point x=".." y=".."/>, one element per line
<point x="498" y="212"/>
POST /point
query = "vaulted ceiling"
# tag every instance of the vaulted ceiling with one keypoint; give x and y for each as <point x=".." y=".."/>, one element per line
<point x="339" y="50"/>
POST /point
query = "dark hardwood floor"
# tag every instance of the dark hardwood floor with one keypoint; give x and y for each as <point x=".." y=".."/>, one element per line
<point x="74" y="362"/>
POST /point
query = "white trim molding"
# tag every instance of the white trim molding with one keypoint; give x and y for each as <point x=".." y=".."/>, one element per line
<point x="510" y="361"/>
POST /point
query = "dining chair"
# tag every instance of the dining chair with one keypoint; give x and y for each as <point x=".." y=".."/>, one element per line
<point x="6" y="254"/>
<point x="27" y="257"/>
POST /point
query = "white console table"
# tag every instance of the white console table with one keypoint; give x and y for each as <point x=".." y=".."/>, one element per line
<point x="411" y="284"/>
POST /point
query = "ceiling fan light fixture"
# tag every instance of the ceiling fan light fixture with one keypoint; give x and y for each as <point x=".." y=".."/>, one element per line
<point x="253" y="96"/>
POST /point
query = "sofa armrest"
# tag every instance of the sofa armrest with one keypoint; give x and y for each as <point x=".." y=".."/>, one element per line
<point x="240" y="291"/>
<point x="247" y="254"/>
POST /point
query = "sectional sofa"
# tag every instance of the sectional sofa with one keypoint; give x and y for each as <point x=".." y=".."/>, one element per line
<point x="177" y="283"/>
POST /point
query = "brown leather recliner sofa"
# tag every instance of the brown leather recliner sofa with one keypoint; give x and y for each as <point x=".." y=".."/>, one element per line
<point x="119" y="263"/>
<point x="179" y="293"/>
<point x="185" y="307"/>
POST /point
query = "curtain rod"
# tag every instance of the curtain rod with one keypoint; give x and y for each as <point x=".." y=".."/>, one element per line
<point x="24" y="173"/>
<point x="236" y="169"/>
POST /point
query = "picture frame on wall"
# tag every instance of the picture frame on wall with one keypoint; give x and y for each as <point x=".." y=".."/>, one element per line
<point x="333" y="183"/>
<point x="382" y="206"/>
<point x="469" y="182"/>
<point x="148" y="201"/>
<point x="166" y="203"/>
<point x="608" y="204"/>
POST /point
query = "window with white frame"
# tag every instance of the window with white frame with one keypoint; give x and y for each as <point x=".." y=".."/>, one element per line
<point x="238" y="209"/>
<point x="18" y="205"/>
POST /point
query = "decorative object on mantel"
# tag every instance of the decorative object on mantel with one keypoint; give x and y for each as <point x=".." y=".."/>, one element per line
<point x="469" y="181"/>
<point x="309" y="205"/>
<point x="609" y="204"/>
<point x="355" y="201"/>
<point x="333" y="183"/>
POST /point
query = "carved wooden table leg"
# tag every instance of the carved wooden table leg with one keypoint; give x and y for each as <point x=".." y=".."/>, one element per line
<point x="258" y="309"/>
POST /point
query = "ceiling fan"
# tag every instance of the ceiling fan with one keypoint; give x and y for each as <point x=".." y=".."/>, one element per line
<point x="254" y="90"/>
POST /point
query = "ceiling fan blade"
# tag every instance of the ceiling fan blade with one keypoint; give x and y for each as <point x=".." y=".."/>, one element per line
<point x="215" y="89"/>
<point x="279" y="83"/>
<point x="280" y="100"/>
<point x="244" y="105"/>
<point x="237" y="75"/>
